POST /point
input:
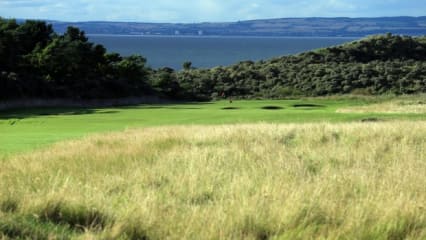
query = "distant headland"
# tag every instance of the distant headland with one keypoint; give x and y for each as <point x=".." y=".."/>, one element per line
<point x="282" y="27"/>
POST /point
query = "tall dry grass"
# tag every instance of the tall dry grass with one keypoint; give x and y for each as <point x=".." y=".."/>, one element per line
<point x="262" y="181"/>
<point x="393" y="106"/>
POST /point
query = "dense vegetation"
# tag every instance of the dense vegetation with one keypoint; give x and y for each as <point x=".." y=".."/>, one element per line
<point x="376" y="65"/>
<point x="37" y="63"/>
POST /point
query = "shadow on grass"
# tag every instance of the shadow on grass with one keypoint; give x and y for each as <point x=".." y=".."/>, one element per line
<point x="77" y="218"/>
<point x="372" y="119"/>
<point x="60" y="220"/>
<point x="38" y="112"/>
<point x="230" y="108"/>
<point x="168" y="105"/>
<point x="23" y="113"/>
<point x="164" y="107"/>
<point x="272" y="108"/>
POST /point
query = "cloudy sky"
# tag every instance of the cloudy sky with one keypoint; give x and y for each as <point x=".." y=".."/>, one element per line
<point x="188" y="11"/>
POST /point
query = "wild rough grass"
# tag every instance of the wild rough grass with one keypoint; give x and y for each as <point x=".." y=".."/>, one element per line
<point x="254" y="181"/>
<point x="394" y="106"/>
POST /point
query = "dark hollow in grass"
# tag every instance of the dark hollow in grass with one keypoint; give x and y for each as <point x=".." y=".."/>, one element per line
<point x="20" y="229"/>
<point x="76" y="217"/>
<point x="29" y="227"/>
<point x="372" y="119"/>
<point x="133" y="231"/>
<point x="230" y="108"/>
<point x="9" y="206"/>
<point x="272" y="108"/>
<point x="202" y="199"/>
<point x="13" y="122"/>
<point x="254" y="230"/>
<point x="308" y="105"/>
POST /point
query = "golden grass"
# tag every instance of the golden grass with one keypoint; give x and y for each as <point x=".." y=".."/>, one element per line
<point x="395" y="106"/>
<point x="259" y="181"/>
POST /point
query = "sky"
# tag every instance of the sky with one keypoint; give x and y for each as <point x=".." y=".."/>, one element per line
<point x="191" y="11"/>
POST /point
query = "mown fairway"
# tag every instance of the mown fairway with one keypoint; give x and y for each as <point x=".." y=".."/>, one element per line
<point x="23" y="130"/>
<point x="256" y="181"/>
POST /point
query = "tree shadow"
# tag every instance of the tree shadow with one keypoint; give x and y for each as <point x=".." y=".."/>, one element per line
<point x="185" y="108"/>
<point x="22" y="113"/>
<point x="161" y="107"/>
<point x="42" y="112"/>
<point x="167" y="105"/>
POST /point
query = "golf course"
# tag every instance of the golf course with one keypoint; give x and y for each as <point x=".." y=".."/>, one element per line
<point x="312" y="168"/>
<point x="27" y="129"/>
<point x="328" y="143"/>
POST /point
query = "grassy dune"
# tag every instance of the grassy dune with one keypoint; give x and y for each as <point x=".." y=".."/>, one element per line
<point x="254" y="181"/>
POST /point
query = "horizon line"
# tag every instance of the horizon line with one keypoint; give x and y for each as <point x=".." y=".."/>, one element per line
<point x="204" y="22"/>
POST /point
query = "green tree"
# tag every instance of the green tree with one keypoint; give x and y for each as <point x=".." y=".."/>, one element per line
<point x="187" y="66"/>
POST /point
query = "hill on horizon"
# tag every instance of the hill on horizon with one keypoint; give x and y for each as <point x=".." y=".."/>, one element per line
<point x="303" y="27"/>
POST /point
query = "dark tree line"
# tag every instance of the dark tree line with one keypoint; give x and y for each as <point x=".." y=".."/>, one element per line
<point x="35" y="62"/>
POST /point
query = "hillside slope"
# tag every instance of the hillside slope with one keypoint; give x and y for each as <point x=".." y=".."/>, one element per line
<point x="375" y="65"/>
<point x="320" y="27"/>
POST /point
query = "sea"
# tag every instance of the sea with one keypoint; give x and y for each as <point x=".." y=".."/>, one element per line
<point x="210" y="51"/>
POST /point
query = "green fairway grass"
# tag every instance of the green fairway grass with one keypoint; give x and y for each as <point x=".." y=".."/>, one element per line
<point x="27" y="129"/>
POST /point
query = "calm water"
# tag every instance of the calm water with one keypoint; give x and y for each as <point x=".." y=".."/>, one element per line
<point x="206" y="52"/>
